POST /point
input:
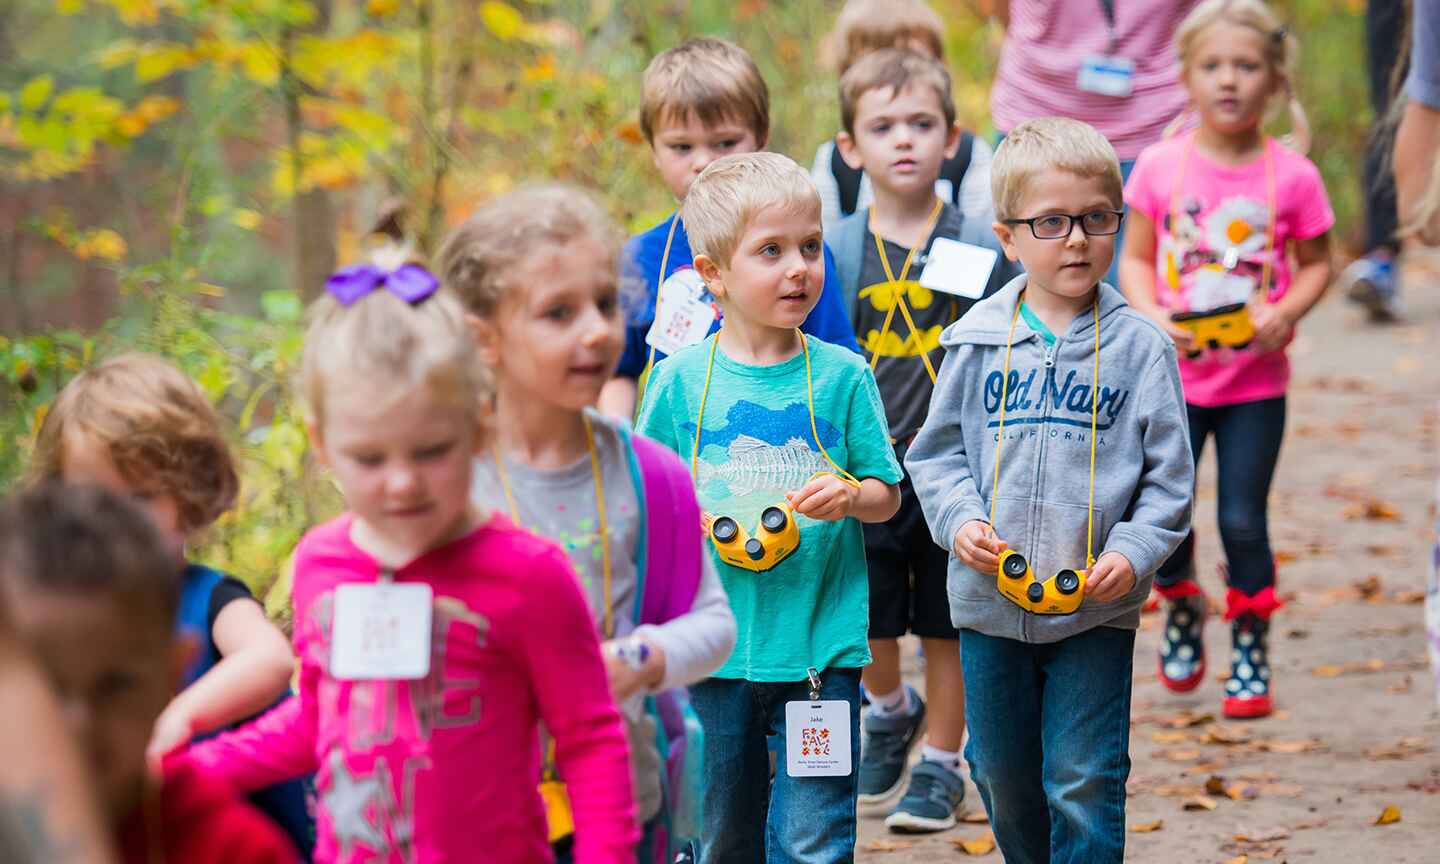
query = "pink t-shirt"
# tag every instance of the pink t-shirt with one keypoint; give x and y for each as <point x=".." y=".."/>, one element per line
<point x="443" y="768"/>
<point x="1046" y="42"/>
<point x="1224" y="211"/>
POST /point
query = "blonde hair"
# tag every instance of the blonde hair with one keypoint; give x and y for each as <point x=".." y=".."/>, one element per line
<point x="382" y="338"/>
<point x="712" y="79"/>
<point x="1281" y="50"/>
<point x="157" y="427"/>
<point x="871" y="25"/>
<point x="477" y="258"/>
<point x="732" y="189"/>
<point x="894" y="69"/>
<point x="1057" y="143"/>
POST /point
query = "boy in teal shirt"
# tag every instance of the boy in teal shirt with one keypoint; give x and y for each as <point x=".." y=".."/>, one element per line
<point x="788" y="442"/>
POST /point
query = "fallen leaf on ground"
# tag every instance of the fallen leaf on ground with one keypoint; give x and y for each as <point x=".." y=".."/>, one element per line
<point x="1179" y="791"/>
<point x="1238" y="859"/>
<point x="1200" y="768"/>
<point x="1302" y="745"/>
<point x="978" y="846"/>
<point x="1199" y="802"/>
<point x="1215" y="785"/>
<point x="1226" y="733"/>
<point x="1262" y="835"/>
<point x="1389" y="815"/>
<point x="1407" y="597"/>
<point x="1241" y="792"/>
<point x="1179" y="755"/>
<point x="975" y="817"/>
<point x="1354" y="667"/>
<point x="1170" y="737"/>
<point x="1402" y="749"/>
<point x="1307" y="824"/>
<point x="1373" y="509"/>
<point x="888" y="845"/>
<point x="1367" y="587"/>
<point x="1186" y="719"/>
<point x="1147" y="827"/>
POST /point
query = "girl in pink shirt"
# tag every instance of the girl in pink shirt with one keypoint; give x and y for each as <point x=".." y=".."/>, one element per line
<point x="433" y="638"/>
<point x="1227" y="221"/>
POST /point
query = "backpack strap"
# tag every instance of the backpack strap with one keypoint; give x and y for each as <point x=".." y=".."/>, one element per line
<point x="954" y="169"/>
<point x="193" y="616"/>
<point x="672" y="532"/>
<point x="847" y="179"/>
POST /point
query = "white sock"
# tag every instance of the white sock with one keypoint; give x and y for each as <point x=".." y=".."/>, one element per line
<point x="949" y="758"/>
<point x="894" y="703"/>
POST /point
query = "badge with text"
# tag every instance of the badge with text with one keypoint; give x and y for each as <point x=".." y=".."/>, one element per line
<point x="381" y="632"/>
<point x="1107" y="75"/>
<point x="681" y="318"/>
<point x="817" y="738"/>
<point x="1215" y="288"/>
<point x="958" y="268"/>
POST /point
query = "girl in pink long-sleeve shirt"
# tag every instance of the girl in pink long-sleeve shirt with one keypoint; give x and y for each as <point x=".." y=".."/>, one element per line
<point x="432" y="638"/>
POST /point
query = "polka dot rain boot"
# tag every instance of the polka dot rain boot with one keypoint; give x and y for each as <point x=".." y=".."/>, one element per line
<point x="1182" y="646"/>
<point x="1248" y="689"/>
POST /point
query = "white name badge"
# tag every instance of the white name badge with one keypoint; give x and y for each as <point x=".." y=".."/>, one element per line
<point x="681" y="318"/>
<point x="958" y="268"/>
<point x="1215" y="288"/>
<point x="817" y="738"/>
<point x="1107" y="75"/>
<point x="381" y="632"/>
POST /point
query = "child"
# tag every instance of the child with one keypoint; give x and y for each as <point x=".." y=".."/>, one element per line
<point x="1057" y="429"/>
<point x="899" y="121"/>
<point x="1213" y="212"/>
<point x="93" y="589"/>
<point x="964" y="176"/>
<point x="700" y="101"/>
<point x="432" y="639"/>
<point x="777" y="426"/>
<point x="552" y="332"/>
<point x="138" y="426"/>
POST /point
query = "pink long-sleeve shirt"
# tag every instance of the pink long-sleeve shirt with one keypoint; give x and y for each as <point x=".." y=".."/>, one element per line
<point x="443" y="768"/>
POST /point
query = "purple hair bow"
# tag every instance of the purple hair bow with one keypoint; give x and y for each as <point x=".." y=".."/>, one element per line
<point x="410" y="282"/>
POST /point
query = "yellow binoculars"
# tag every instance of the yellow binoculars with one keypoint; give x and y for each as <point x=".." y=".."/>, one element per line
<point x="1227" y="325"/>
<point x="1059" y="595"/>
<point x="774" y="539"/>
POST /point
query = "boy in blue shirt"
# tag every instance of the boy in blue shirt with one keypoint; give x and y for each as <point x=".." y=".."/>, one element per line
<point x="699" y="101"/>
<point x="786" y="438"/>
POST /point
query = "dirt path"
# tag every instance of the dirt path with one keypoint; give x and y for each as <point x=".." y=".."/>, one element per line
<point x="1357" y="728"/>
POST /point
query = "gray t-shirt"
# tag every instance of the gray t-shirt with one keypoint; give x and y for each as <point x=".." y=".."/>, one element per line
<point x="560" y="505"/>
<point x="904" y="384"/>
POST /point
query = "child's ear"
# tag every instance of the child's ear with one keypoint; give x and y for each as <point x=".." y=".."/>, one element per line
<point x="845" y="143"/>
<point x="952" y="141"/>
<point x="487" y="338"/>
<point x="317" y="442"/>
<point x="1007" y="240"/>
<point x="710" y="272"/>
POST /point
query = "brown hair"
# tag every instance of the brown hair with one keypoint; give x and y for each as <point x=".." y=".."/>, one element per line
<point x="478" y="256"/>
<point x="158" y="428"/>
<point x="712" y="79"/>
<point x="84" y="539"/>
<point x="870" y="25"/>
<point x="893" y="69"/>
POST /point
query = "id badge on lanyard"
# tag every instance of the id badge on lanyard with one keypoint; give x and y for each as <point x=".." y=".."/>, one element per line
<point x="1108" y="74"/>
<point x="817" y="735"/>
<point x="381" y="631"/>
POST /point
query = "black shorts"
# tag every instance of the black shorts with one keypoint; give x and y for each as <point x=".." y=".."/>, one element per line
<point x="907" y="575"/>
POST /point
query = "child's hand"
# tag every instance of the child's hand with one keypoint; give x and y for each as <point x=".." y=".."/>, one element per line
<point x="625" y="679"/>
<point x="173" y="730"/>
<point x="825" y="497"/>
<point x="978" y="548"/>
<point x="1184" y="339"/>
<point x="1272" y="327"/>
<point x="1111" y="578"/>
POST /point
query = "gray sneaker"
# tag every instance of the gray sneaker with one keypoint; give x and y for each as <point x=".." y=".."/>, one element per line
<point x="930" y="803"/>
<point x="885" y="750"/>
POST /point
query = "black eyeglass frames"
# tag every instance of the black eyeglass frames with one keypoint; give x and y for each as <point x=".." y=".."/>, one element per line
<point x="1057" y="226"/>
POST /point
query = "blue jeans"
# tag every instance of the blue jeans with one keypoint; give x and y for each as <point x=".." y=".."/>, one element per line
<point x="807" y="820"/>
<point x="1050" y="742"/>
<point x="1247" y="446"/>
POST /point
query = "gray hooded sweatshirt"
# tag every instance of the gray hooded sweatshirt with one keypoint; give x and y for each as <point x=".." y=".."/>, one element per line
<point x="1144" y="472"/>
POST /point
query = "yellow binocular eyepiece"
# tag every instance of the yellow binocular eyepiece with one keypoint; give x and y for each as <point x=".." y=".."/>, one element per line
<point x="1228" y="325"/>
<point x="1059" y="595"/>
<point x="774" y="539"/>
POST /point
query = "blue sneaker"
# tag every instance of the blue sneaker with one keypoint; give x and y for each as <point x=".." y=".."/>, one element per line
<point x="1374" y="284"/>
<point x="885" y="750"/>
<point x="930" y="803"/>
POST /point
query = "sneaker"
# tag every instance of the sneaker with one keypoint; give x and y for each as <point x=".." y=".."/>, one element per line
<point x="885" y="750"/>
<point x="1182" y="643"/>
<point x="930" y="803"/>
<point x="1375" y="286"/>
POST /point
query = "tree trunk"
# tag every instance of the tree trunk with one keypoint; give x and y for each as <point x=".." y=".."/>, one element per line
<point x="312" y="213"/>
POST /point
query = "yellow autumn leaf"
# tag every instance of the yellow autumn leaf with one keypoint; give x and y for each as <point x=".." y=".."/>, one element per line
<point x="101" y="243"/>
<point x="134" y="12"/>
<point x="382" y="8"/>
<point x="247" y="219"/>
<point x="983" y="845"/>
<point x="69" y="7"/>
<point x="260" y="63"/>
<point x="36" y="91"/>
<point x="1389" y="816"/>
<point x="501" y="19"/>
<point x="117" y="54"/>
<point x="1147" y="827"/>
<point x="159" y="61"/>
<point x="155" y="108"/>
<point x="131" y="125"/>
<point x="543" y="70"/>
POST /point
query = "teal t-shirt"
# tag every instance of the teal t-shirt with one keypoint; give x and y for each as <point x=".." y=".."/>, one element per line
<point x="1034" y="323"/>
<point x="811" y="609"/>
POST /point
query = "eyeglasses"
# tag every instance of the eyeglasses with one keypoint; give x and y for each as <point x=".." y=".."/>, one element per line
<point x="1057" y="226"/>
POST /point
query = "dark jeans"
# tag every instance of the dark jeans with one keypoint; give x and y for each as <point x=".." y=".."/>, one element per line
<point x="1247" y="446"/>
<point x="1384" y="25"/>
<point x="1050" y="742"/>
<point x="807" y="820"/>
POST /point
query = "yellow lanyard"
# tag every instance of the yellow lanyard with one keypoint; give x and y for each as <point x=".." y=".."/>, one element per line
<point x="898" y="291"/>
<point x="810" y="400"/>
<point x="1094" y="414"/>
<point x="1274" y="216"/>
<point x="608" y="616"/>
<point x="659" y="286"/>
